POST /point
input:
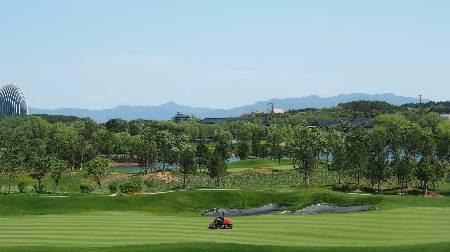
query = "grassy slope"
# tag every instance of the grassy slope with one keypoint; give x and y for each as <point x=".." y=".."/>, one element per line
<point x="179" y="203"/>
<point x="260" y="163"/>
<point x="98" y="221"/>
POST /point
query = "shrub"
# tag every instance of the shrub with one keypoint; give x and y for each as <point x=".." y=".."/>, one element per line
<point x="22" y="186"/>
<point x="344" y="187"/>
<point x="86" y="188"/>
<point x="131" y="186"/>
<point x="39" y="188"/>
<point x="150" y="182"/>
<point x="114" y="187"/>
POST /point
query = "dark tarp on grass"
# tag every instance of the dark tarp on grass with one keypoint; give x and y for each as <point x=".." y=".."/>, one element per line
<point x="328" y="208"/>
<point x="276" y="209"/>
<point x="267" y="209"/>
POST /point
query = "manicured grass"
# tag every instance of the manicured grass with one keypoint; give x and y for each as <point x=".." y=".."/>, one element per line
<point x="260" y="163"/>
<point x="191" y="202"/>
<point x="218" y="247"/>
<point x="171" y="222"/>
<point x="444" y="189"/>
<point x="397" y="227"/>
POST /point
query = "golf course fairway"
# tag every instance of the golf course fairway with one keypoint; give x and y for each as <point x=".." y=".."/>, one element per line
<point x="407" y="228"/>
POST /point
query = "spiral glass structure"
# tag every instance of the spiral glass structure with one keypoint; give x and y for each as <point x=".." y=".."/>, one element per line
<point x="12" y="101"/>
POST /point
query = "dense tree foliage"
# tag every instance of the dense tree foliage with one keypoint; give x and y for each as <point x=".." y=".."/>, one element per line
<point x="306" y="145"/>
<point x="98" y="168"/>
<point x="403" y="144"/>
<point x="369" y="108"/>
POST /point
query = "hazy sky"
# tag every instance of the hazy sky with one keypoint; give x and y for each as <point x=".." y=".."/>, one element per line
<point x="99" y="54"/>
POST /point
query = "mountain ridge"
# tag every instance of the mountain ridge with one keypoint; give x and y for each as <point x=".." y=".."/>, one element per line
<point x="166" y="110"/>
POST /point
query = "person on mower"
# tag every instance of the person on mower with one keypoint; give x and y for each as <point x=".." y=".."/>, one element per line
<point x="220" y="219"/>
<point x="220" y="222"/>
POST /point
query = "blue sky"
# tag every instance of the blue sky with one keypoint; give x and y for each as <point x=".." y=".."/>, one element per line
<point x="99" y="54"/>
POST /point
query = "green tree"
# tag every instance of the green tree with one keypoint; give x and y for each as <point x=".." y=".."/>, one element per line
<point x="357" y="147"/>
<point x="426" y="150"/>
<point x="443" y="140"/>
<point x="243" y="134"/>
<point x="58" y="167"/>
<point x="38" y="168"/>
<point x="217" y="167"/>
<point x="35" y="130"/>
<point x="187" y="160"/>
<point x="430" y="121"/>
<point x="403" y="170"/>
<point x="166" y="143"/>
<point x="412" y="140"/>
<point x="336" y="140"/>
<point x="98" y="168"/>
<point x="369" y="108"/>
<point x="12" y="163"/>
<point x="117" y="125"/>
<point x="84" y="151"/>
<point x="277" y="138"/>
<point x="259" y="134"/>
<point x="223" y="143"/>
<point x="378" y="156"/>
<point x="440" y="170"/>
<point x="136" y="126"/>
<point x="217" y="164"/>
<point x="243" y="149"/>
<point x="306" y="145"/>
<point x="62" y="143"/>
<point x="122" y="144"/>
<point x="14" y="148"/>
<point x="146" y="149"/>
<point x="103" y="141"/>
<point x="424" y="172"/>
<point x="202" y="152"/>
<point x="400" y="137"/>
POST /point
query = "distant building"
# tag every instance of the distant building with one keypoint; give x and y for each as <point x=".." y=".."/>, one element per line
<point x="12" y="101"/>
<point x="360" y="122"/>
<point x="278" y="111"/>
<point x="357" y="122"/>
<point x="180" y="117"/>
<point x="325" y="123"/>
<point x="215" y="120"/>
<point x="444" y="112"/>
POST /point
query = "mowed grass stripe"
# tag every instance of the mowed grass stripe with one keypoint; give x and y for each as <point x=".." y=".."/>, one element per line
<point x="392" y="227"/>
<point x="272" y="223"/>
<point x="370" y="227"/>
<point x="280" y="230"/>
<point x="286" y="230"/>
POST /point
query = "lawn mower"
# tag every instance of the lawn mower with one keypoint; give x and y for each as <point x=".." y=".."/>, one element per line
<point x="220" y="222"/>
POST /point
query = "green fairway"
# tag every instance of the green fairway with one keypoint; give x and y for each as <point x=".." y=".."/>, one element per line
<point x="171" y="222"/>
<point x="405" y="226"/>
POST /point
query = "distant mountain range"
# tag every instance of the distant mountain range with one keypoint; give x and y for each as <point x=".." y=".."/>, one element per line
<point x="168" y="110"/>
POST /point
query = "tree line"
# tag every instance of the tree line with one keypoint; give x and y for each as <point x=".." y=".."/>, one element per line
<point x="405" y="147"/>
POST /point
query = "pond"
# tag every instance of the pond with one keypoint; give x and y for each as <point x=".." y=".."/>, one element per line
<point x="138" y="169"/>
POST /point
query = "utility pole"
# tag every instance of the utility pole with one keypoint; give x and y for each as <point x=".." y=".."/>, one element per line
<point x="421" y="108"/>
<point x="270" y="116"/>
<point x="271" y="106"/>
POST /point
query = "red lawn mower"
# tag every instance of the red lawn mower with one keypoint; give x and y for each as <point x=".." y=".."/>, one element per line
<point x="220" y="222"/>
